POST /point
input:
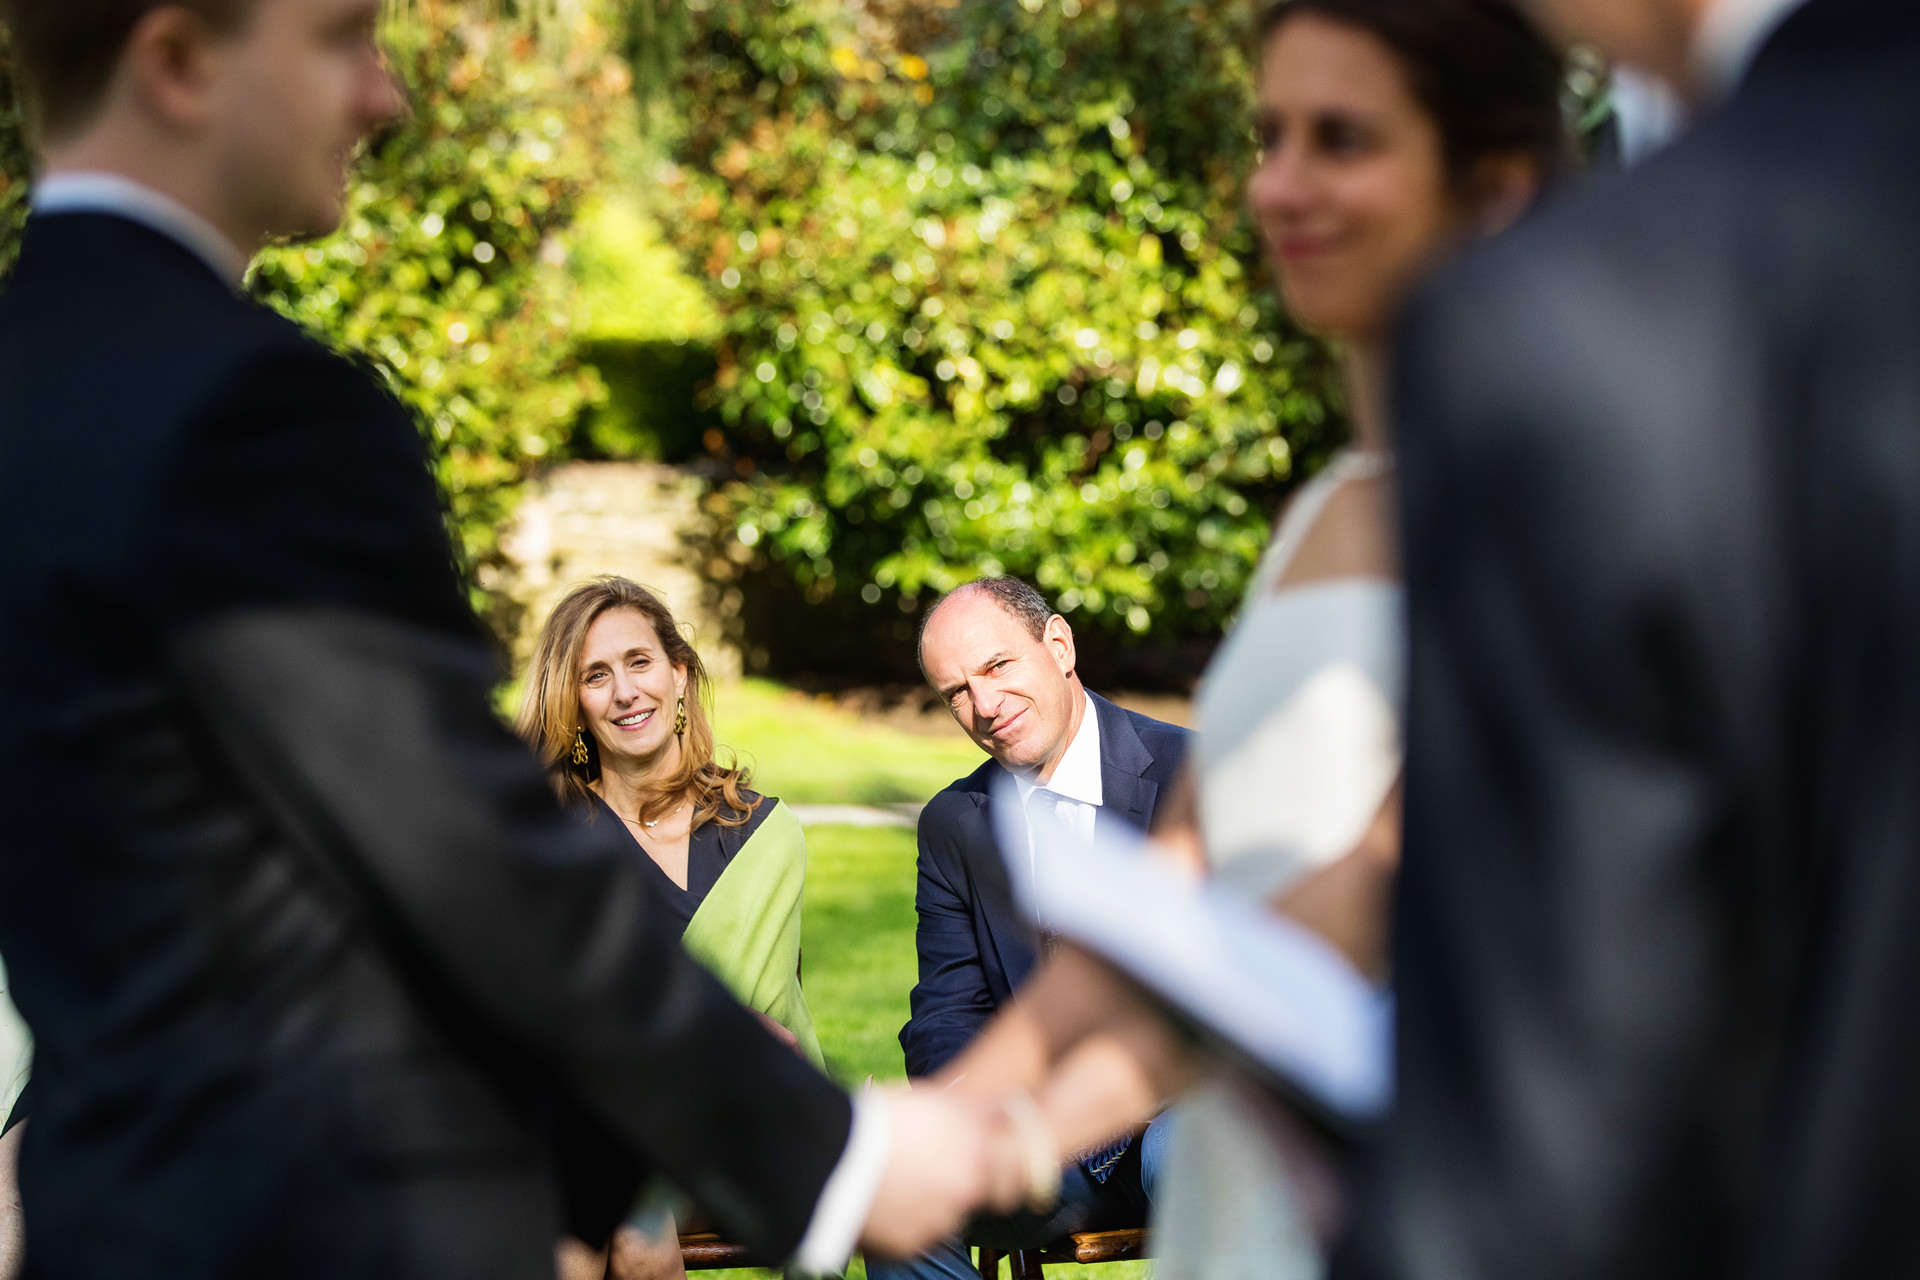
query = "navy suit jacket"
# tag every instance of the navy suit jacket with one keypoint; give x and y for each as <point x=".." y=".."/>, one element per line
<point x="311" y="955"/>
<point x="975" y="949"/>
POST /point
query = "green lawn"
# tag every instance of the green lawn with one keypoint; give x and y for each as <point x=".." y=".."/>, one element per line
<point x="859" y="957"/>
<point x="859" y="954"/>
<point x="807" y="751"/>
<point x="858" y="942"/>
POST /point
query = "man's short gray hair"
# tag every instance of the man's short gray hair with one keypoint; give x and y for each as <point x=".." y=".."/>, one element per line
<point x="1016" y="599"/>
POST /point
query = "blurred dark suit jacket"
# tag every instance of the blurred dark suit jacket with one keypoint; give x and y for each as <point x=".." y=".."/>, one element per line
<point x="310" y="954"/>
<point x="975" y="948"/>
<point x="1658" y="960"/>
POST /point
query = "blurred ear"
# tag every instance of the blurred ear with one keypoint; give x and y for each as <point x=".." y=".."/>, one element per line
<point x="1058" y="638"/>
<point x="1501" y="189"/>
<point x="170" y="66"/>
<point x="679" y="679"/>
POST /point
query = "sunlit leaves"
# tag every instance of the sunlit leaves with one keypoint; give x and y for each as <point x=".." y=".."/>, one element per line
<point x="1016" y="327"/>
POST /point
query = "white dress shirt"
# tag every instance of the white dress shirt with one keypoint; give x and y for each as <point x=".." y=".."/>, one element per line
<point x="1731" y="36"/>
<point x="112" y="193"/>
<point x="847" y="1197"/>
<point x="1074" y="790"/>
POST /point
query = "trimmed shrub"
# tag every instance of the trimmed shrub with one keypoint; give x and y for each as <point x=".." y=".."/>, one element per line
<point x="989" y="302"/>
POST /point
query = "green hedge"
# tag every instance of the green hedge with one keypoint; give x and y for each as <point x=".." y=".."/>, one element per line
<point x="989" y="301"/>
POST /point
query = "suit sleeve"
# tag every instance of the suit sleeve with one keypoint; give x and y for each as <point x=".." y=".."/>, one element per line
<point x="320" y="636"/>
<point x="951" y="1002"/>
<point x="1588" y="656"/>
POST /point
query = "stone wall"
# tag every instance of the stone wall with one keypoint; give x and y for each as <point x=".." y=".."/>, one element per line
<point x="635" y="519"/>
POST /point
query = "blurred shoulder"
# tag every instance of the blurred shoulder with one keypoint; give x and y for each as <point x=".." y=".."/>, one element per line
<point x="1351" y="536"/>
<point x="273" y="357"/>
<point x="1595" y="321"/>
<point x="1713" y="223"/>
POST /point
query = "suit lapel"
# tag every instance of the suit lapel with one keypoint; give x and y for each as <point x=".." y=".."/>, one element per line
<point x="1007" y="930"/>
<point x="1126" y="795"/>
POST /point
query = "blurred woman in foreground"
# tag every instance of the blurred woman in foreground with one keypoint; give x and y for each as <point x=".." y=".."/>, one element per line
<point x="616" y="705"/>
<point x="1392" y="133"/>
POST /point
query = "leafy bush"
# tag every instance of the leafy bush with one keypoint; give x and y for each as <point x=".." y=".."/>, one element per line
<point x="645" y="328"/>
<point x="989" y="302"/>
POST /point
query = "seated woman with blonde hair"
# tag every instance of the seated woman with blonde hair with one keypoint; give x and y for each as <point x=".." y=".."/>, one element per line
<point x="616" y="706"/>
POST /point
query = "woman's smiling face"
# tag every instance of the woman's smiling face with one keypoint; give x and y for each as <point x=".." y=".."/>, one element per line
<point x="1351" y="194"/>
<point x="629" y="691"/>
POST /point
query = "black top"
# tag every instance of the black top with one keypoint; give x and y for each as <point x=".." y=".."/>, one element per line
<point x="709" y="849"/>
<point x="309" y="949"/>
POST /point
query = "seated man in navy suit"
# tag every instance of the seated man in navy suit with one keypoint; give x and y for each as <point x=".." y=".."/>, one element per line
<point x="1004" y="661"/>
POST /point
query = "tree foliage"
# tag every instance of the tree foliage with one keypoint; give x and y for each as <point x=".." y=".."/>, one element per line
<point x="989" y="300"/>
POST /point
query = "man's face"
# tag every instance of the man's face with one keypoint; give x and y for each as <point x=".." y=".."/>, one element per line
<point x="1655" y="35"/>
<point x="298" y="89"/>
<point x="1013" y="694"/>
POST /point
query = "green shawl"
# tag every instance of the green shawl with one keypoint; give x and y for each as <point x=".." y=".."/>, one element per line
<point x="747" y="931"/>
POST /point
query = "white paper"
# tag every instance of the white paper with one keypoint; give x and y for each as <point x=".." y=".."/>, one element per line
<point x="1272" y="990"/>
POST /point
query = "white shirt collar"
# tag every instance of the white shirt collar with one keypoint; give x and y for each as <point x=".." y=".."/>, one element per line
<point x="1731" y="36"/>
<point x="1077" y="776"/>
<point x="1647" y="113"/>
<point x="112" y="193"/>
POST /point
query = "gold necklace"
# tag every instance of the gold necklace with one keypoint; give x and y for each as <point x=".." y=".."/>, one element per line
<point x="635" y="822"/>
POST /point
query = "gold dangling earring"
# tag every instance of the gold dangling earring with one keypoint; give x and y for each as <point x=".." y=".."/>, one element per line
<point x="580" y="747"/>
<point x="680" y="719"/>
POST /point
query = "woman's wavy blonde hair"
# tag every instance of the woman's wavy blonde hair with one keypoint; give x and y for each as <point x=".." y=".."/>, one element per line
<point x="550" y="715"/>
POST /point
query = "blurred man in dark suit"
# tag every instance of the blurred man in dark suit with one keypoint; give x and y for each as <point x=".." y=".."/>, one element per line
<point x="1656" y="952"/>
<point x="1004" y="663"/>
<point x="310" y="954"/>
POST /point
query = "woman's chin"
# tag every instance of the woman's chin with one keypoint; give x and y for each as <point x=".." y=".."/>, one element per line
<point x="1335" y="312"/>
<point x="638" y="750"/>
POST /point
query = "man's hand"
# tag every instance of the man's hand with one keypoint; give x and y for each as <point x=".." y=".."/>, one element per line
<point x="951" y="1155"/>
